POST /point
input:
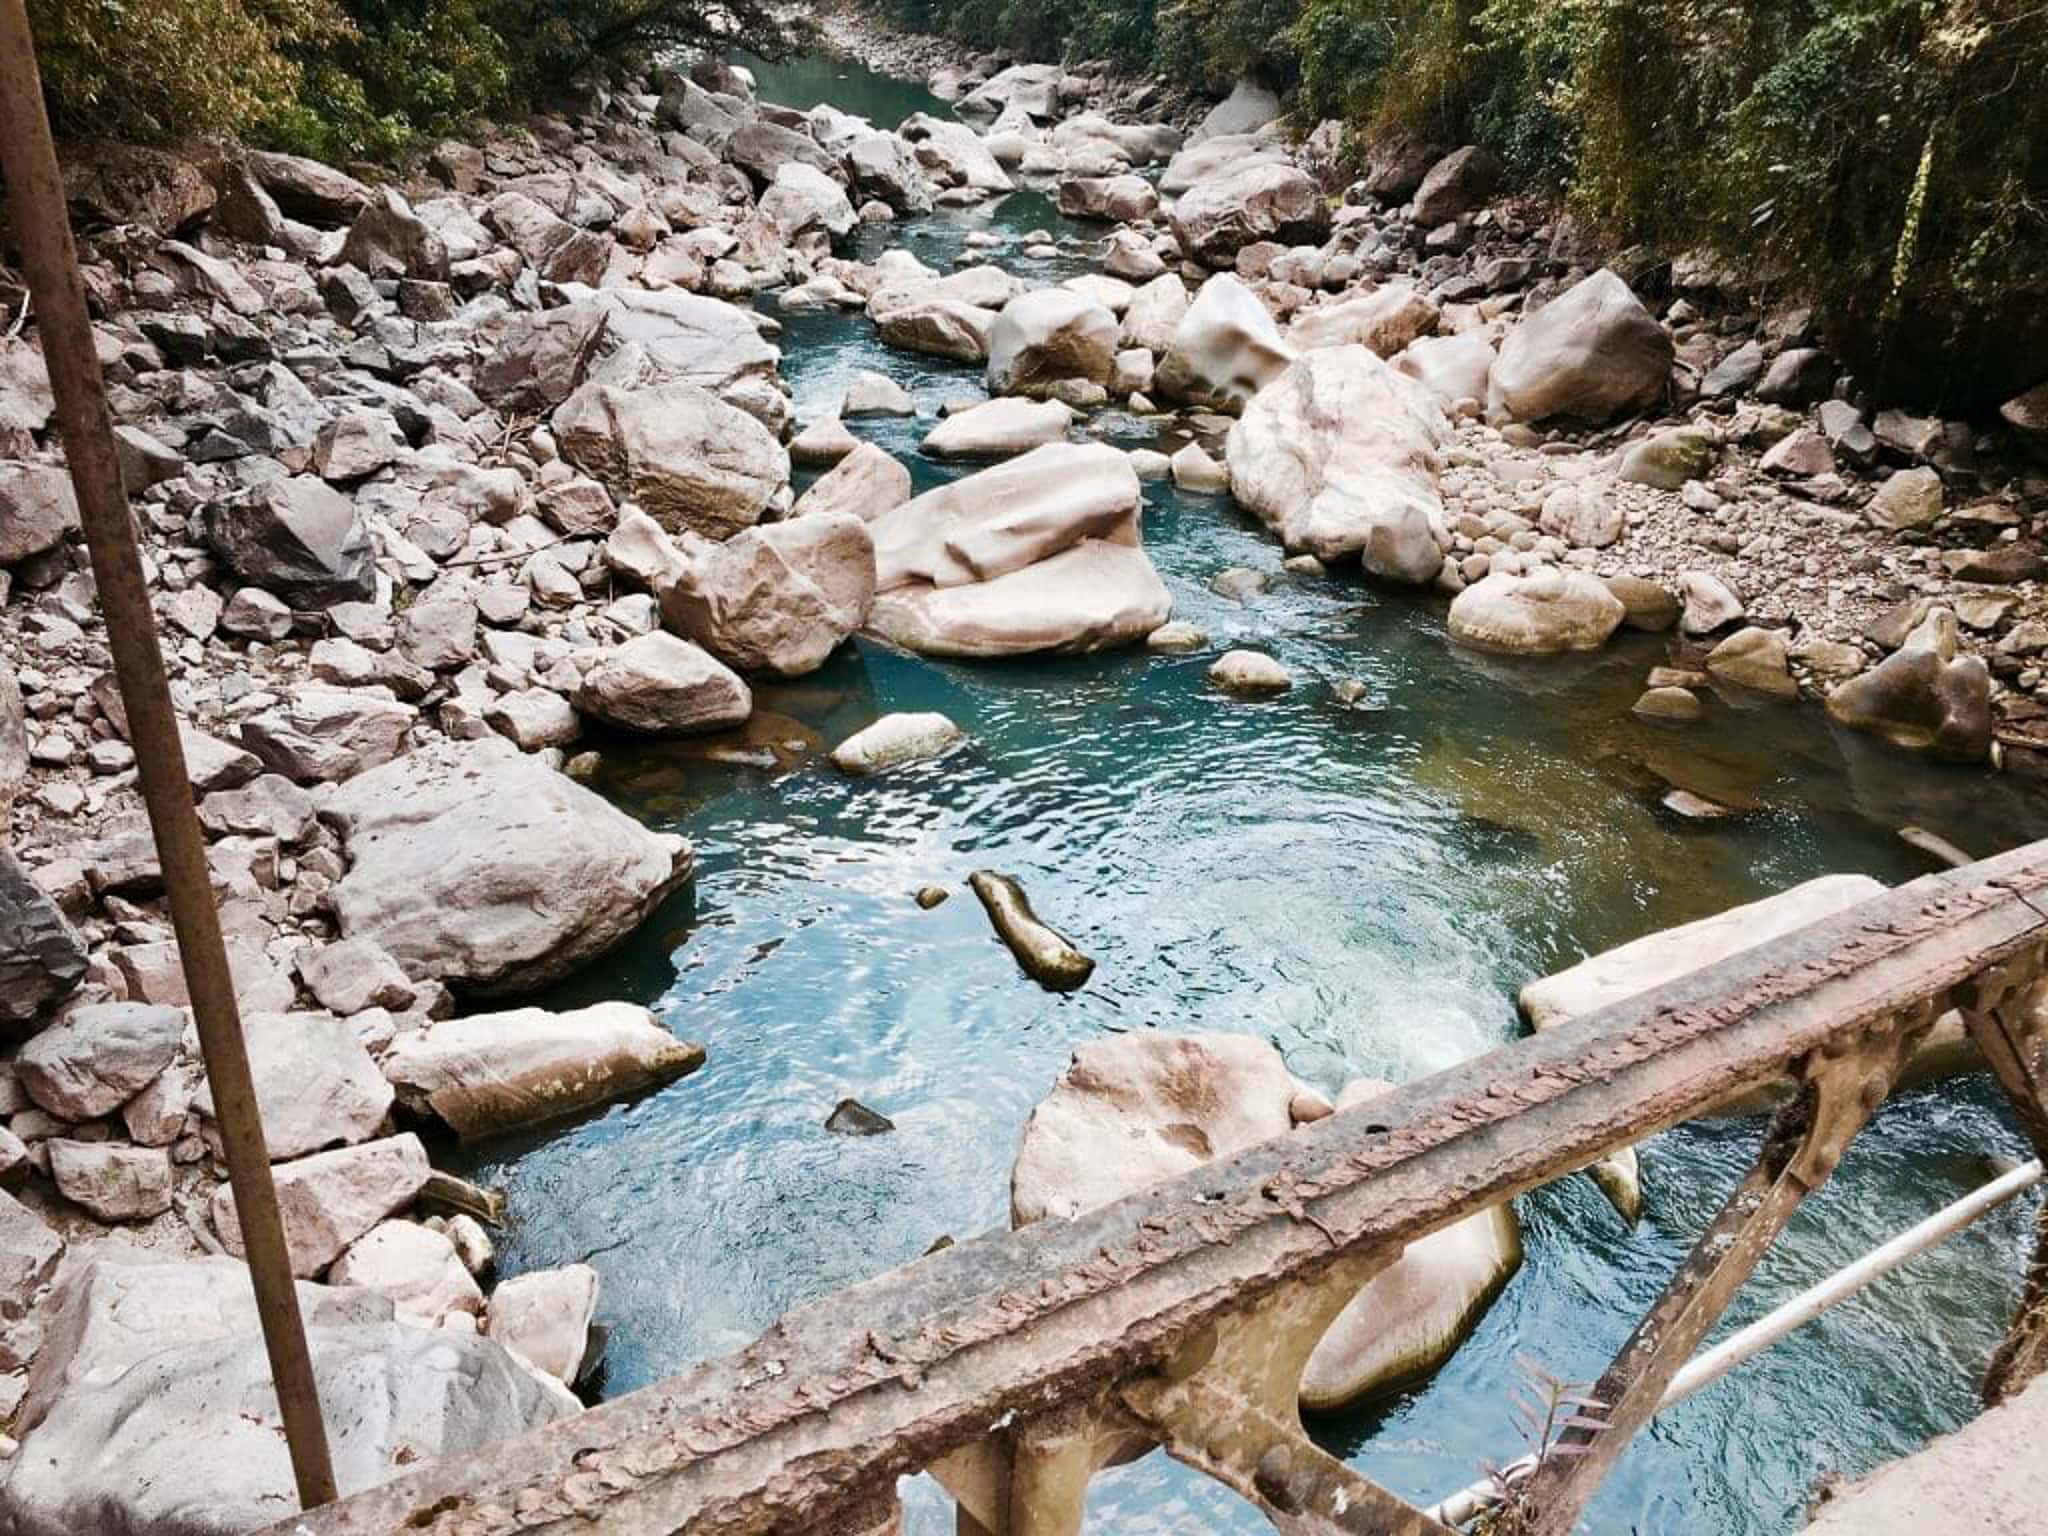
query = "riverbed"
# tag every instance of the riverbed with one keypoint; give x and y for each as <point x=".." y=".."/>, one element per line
<point x="1364" y="887"/>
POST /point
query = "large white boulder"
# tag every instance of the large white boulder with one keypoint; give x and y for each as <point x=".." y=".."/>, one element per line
<point x="668" y="336"/>
<point x="486" y="1073"/>
<point x="1452" y="368"/>
<point x="1590" y="354"/>
<point x="802" y="198"/>
<point x="1154" y="313"/>
<point x="662" y="685"/>
<point x="998" y="429"/>
<point x="685" y="456"/>
<point x="1041" y="553"/>
<point x="954" y="155"/>
<point x="866" y="483"/>
<point x="330" y="1199"/>
<point x="1544" y="612"/>
<point x="544" y="1318"/>
<point x="1203" y="159"/>
<point x="777" y="599"/>
<point x="1224" y="349"/>
<point x="188" y="1441"/>
<point x="1046" y="336"/>
<point x="1252" y="201"/>
<point x="1384" y="320"/>
<point x="474" y="863"/>
<point x="1338" y="458"/>
<point x="1410" y="1318"/>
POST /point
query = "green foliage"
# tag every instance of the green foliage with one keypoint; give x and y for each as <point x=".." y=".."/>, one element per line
<point x="347" y="79"/>
<point x="166" y="69"/>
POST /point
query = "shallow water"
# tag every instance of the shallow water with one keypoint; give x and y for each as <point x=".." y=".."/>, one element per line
<point x="1367" y="890"/>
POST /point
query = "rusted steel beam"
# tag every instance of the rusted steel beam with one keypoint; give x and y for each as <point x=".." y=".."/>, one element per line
<point x="1801" y="1149"/>
<point x="847" y="1393"/>
<point x="2007" y="1013"/>
<point x="42" y="228"/>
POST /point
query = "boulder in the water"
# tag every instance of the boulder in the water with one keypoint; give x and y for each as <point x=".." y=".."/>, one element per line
<point x="1544" y="613"/>
<point x="850" y="1117"/>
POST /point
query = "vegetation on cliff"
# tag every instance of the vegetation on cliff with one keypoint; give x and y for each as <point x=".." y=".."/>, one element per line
<point x="1886" y="159"/>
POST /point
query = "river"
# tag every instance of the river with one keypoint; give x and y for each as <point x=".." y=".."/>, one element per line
<point x="1365" y="888"/>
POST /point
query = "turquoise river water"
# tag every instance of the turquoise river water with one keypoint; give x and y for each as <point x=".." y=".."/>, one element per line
<point x="1365" y="889"/>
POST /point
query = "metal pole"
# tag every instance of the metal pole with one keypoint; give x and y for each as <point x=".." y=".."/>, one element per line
<point x="43" y="230"/>
<point x="1711" y="1365"/>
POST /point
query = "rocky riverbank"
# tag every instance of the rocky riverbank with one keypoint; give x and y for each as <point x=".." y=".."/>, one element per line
<point x="443" y="481"/>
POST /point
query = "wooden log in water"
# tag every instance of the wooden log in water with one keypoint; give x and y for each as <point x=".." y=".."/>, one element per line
<point x="1047" y="956"/>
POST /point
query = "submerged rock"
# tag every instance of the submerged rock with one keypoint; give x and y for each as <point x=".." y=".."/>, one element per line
<point x="894" y="741"/>
<point x="1339" y="460"/>
<point x="1249" y="672"/>
<point x="487" y="1073"/>
<point x="850" y="1117"/>
<point x="1048" y="957"/>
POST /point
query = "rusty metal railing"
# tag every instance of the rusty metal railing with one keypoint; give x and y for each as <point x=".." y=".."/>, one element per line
<point x="1014" y="1365"/>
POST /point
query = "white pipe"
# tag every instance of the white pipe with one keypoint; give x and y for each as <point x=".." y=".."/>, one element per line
<point x="1774" y="1325"/>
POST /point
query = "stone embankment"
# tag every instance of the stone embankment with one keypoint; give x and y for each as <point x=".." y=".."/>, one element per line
<point x="438" y="480"/>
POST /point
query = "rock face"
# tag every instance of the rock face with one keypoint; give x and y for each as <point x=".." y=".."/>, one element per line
<point x="660" y="685"/>
<point x="1339" y="460"/>
<point x="1039" y="554"/>
<point x="98" y="1058"/>
<point x="1223" y="350"/>
<point x="488" y="1073"/>
<point x="895" y="740"/>
<point x="187" y="1441"/>
<point x="475" y="863"/>
<point x="1542" y="613"/>
<point x="1262" y="200"/>
<point x="297" y="537"/>
<point x="1048" y="335"/>
<point x="1409" y="1318"/>
<point x="779" y="598"/>
<point x="332" y="1198"/>
<point x="1590" y="354"/>
<point x="686" y="457"/>
<point x="42" y="957"/>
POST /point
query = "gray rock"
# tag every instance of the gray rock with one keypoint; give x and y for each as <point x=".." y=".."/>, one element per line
<point x="318" y="734"/>
<point x="1734" y="373"/>
<point x="556" y="249"/>
<point x="42" y="957"/>
<point x="350" y="975"/>
<point x="473" y="864"/>
<point x="1260" y="200"/>
<point x="1797" y="376"/>
<point x="661" y="685"/>
<point x="307" y="189"/>
<point x="316" y="1086"/>
<point x="37" y="509"/>
<point x="1911" y="498"/>
<point x="1046" y="336"/>
<point x="330" y="1199"/>
<point x="388" y="239"/>
<point x="416" y="1268"/>
<point x="1590" y="354"/>
<point x="544" y="1317"/>
<point x="779" y="598"/>
<point x="297" y="537"/>
<point x="99" y="1057"/>
<point x="487" y="1073"/>
<point x="112" y="1182"/>
<point x="542" y="358"/>
<point x="29" y="1252"/>
<point x="684" y="456"/>
<point x="187" y="1442"/>
<point x="1456" y="185"/>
